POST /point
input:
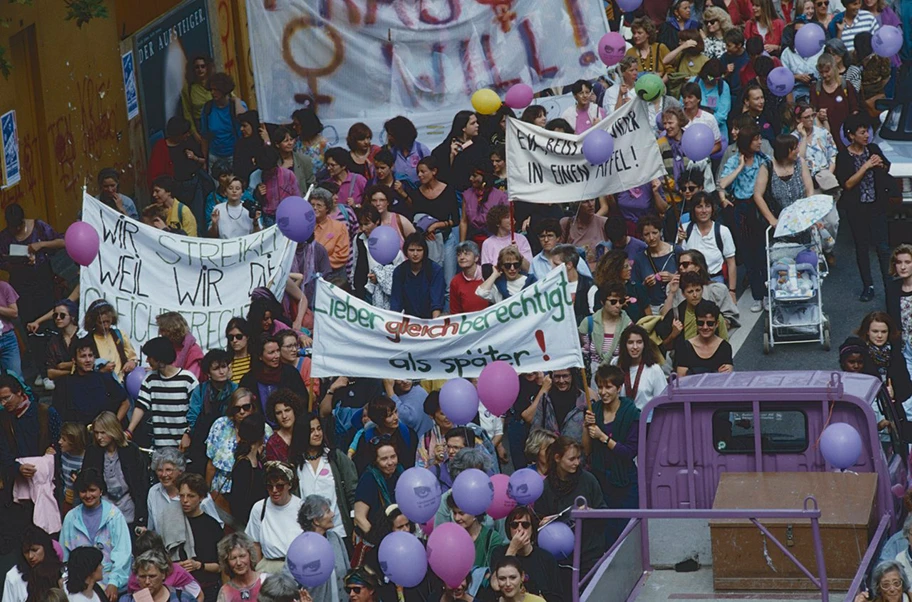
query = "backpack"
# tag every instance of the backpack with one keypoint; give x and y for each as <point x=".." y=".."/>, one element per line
<point x="717" y="231"/>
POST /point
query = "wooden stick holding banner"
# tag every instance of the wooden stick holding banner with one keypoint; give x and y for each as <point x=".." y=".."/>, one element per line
<point x="512" y="225"/>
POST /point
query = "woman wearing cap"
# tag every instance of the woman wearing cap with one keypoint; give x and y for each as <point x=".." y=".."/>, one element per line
<point x="273" y="522"/>
<point x="362" y="585"/>
<point x="317" y="515"/>
<point x="111" y="343"/>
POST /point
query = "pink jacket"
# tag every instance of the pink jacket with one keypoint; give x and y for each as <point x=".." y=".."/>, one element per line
<point x="40" y="490"/>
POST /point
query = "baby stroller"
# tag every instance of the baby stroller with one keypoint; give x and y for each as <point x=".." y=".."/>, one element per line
<point x="797" y="268"/>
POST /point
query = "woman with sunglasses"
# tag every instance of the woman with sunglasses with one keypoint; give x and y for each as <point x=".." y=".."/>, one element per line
<point x="716" y="22"/>
<point x="615" y="267"/>
<point x="273" y="522"/>
<point x="507" y="277"/>
<point x="222" y="443"/>
<point x="822" y="14"/>
<point x="693" y="260"/>
<point x="324" y="469"/>
<point x="317" y="515"/>
<point x="521" y="528"/>
<point x="707" y="352"/>
<point x="375" y="492"/>
<point x="269" y="373"/>
<point x="59" y="359"/>
<point x="238" y="335"/>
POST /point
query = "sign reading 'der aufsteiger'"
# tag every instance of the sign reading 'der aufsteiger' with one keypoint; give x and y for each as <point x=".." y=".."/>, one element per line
<point x="549" y="167"/>
<point x="144" y="272"/>
<point x="532" y="330"/>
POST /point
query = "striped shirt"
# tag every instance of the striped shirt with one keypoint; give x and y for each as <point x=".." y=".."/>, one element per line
<point x="167" y="399"/>
<point x="69" y="465"/>
<point x="239" y="367"/>
<point x="864" y="21"/>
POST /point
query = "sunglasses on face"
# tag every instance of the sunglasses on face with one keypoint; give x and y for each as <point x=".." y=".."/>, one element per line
<point x="353" y="589"/>
<point x="706" y="322"/>
<point x="685" y="264"/>
<point x="613" y="301"/>
<point x="691" y="188"/>
<point x="236" y="337"/>
<point x="824" y="3"/>
<point x="520" y="523"/>
<point x="276" y="486"/>
<point x="60" y="316"/>
<point x="712" y="22"/>
<point x="511" y="265"/>
<point x="244" y="407"/>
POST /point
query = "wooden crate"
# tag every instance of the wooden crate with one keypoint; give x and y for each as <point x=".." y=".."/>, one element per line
<point x="741" y="561"/>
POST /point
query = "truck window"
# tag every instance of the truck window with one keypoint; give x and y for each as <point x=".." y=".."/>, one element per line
<point x="781" y="432"/>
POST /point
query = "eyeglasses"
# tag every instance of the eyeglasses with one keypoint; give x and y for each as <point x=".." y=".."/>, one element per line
<point x="290" y="346"/>
<point x="380" y="439"/>
<point x="712" y="21"/>
<point x="891" y="585"/>
<point x="236" y="337"/>
<point x="244" y="407"/>
<point x="60" y="315"/>
<point x="511" y="265"/>
<point x="706" y="322"/>
<point x="824" y="3"/>
<point x="613" y="301"/>
<point x="684" y="265"/>
<point x="276" y="486"/>
<point x="353" y="589"/>
<point x="691" y="188"/>
<point x="520" y="523"/>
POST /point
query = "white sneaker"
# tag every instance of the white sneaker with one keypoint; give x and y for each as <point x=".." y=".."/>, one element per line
<point x="757" y="307"/>
<point x="49" y="385"/>
<point x="39" y="382"/>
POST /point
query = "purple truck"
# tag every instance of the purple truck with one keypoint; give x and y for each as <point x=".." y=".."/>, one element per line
<point x="754" y="513"/>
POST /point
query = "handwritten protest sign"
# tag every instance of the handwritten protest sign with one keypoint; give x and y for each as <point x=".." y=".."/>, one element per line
<point x="533" y="330"/>
<point x="379" y="58"/>
<point x="549" y="167"/>
<point x="143" y="272"/>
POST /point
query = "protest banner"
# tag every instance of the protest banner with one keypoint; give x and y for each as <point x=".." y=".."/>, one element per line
<point x="143" y="272"/>
<point x="534" y="329"/>
<point x="378" y="59"/>
<point x="549" y="167"/>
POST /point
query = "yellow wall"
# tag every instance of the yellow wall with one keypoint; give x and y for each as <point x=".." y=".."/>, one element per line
<point x="67" y="90"/>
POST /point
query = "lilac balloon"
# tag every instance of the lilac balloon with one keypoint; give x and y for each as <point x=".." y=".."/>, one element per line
<point x="526" y="486"/>
<point x="598" y="146"/>
<point x="135" y="380"/>
<point x="628" y="6"/>
<point x="473" y="491"/>
<point x="459" y="401"/>
<point x="498" y="387"/>
<point x="557" y="537"/>
<point x="809" y="40"/>
<point x="295" y="218"/>
<point x="840" y="445"/>
<point x="697" y="141"/>
<point x="519" y="96"/>
<point x="451" y="553"/>
<point x="887" y="41"/>
<point x="81" y="240"/>
<point x="384" y="244"/>
<point x="310" y="559"/>
<point x="403" y="559"/>
<point x="611" y="48"/>
<point x="780" y="81"/>
<point x="418" y="494"/>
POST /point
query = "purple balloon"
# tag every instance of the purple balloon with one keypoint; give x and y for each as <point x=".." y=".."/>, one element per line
<point x="82" y="242"/>
<point x="519" y="96"/>
<point x="498" y="387"/>
<point x="526" y="486"/>
<point x="459" y="401"/>
<point x="384" y="244"/>
<point x="557" y="537"/>
<point x="473" y="491"/>
<point x="310" y="559"/>
<point x="598" y="146"/>
<point x="451" y="553"/>
<point x="697" y="141"/>
<point x="418" y="494"/>
<point x="403" y="559"/>
<point x="135" y="380"/>
<point x="887" y="41"/>
<point x="295" y="218"/>
<point x="840" y="445"/>
<point x="809" y="40"/>
<point x="628" y="6"/>
<point x="611" y="48"/>
<point x="780" y="81"/>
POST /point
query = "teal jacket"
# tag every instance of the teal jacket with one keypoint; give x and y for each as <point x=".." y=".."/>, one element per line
<point x="113" y="539"/>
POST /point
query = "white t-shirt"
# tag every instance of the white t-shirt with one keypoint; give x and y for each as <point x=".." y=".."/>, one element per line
<point x="14" y="588"/>
<point x="322" y="482"/>
<point x="704" y="118"/>
<point x="80" y="597"/>
<point x="610" y="99"/>
<point x="278" y="528"/>
<point x="233" y="221"/>
<point x="707" y="245"/>
<point x="651" y="384"/>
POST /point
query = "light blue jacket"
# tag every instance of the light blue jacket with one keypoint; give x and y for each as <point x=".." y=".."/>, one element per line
<point x="719" y="103"/>
<point x="113" y="539"/>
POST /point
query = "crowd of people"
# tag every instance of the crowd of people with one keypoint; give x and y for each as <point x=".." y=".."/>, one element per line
<point x="195" y="486"/>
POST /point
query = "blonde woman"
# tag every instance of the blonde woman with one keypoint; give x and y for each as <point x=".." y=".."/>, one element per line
<point x="174" y="327"/>
<point x="716" y="22"/>
<point x="537" y="444"/>
<point x="123" y="466"/>
<point x="111" y="343"/>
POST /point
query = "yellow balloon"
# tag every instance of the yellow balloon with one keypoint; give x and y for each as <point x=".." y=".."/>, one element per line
<point x="486" y="101"/>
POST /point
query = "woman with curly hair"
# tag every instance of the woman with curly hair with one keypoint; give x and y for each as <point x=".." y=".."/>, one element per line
<point x="111" y="343"/>
<point x="716" y="22"/>
<point x="615" y="267"/>
<point x="237" y="555"/>
<point x="649" y="53"/>
<point x="174" y="327"/>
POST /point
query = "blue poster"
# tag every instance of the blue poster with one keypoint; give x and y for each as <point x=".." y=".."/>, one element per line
<point x="10" y="148"/>
<point x="129" y="80"/>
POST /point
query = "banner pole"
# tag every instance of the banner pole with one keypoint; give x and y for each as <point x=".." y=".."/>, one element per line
<point x="512" y="224"/>
<point x="586" y="386"/>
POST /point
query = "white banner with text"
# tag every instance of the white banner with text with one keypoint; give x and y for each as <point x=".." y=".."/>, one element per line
<point x="549" y="167"/>
<point x="533" y="330"/>
<point x="144" y="272"/>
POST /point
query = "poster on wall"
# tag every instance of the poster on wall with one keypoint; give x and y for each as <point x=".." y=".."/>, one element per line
<point x="164" y="51"/>
<point x="10" y="138"/>
<point x="129" y="79"/>
<point x="373" y="60"/>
